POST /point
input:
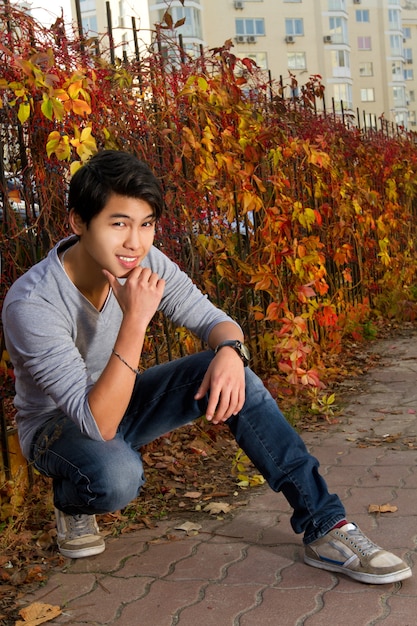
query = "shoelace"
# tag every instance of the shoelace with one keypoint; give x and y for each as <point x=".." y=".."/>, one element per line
<point x="78" y="525"/>
<point x="364" y="545"/>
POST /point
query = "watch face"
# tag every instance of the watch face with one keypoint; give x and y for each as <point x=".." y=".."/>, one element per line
<point x="245" y="351"/>
<point x="240" y="348"/>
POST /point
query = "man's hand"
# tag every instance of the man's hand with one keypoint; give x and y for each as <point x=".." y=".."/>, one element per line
<point x="225" y="382"/>
<point x="140" y="295"/>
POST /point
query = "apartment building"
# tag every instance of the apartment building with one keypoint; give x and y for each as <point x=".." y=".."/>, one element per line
<point x="364" y="50"/>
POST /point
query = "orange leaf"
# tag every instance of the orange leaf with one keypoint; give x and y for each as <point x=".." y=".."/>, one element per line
<point x="38" y="613"/>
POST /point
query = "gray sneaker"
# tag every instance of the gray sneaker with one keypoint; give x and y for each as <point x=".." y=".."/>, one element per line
<point x="348" y="551"/>
<point x="78" y="535"/>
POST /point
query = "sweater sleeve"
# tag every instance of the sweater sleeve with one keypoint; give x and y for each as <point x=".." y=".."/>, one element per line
<point x="51" y="374"/>
<point x="182" y="301"/>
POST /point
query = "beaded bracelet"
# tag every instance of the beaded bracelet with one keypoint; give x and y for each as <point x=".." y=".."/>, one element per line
<point x="132" y="369"/>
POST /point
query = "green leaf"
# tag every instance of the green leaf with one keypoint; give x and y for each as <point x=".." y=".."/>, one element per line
<point x="47" y="108"/>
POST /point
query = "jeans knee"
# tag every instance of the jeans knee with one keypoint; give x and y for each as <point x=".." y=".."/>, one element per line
<point x="115" y="485"/>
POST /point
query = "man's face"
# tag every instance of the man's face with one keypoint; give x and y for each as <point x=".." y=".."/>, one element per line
<point x="120" y="237"/>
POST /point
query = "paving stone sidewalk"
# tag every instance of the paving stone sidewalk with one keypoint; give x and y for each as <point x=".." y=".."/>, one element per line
<point x="247" y="569"/>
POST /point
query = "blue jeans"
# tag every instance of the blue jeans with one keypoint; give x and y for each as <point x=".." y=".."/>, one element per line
<point x="97" y="477"/>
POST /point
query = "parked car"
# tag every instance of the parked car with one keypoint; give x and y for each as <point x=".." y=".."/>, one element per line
<point x="15" y="195"/>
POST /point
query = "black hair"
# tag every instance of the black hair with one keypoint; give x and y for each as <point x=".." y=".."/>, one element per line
<point x="113" y="172"/>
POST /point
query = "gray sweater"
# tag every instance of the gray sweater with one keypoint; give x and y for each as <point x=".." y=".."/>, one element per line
<point x="59" y="343"/>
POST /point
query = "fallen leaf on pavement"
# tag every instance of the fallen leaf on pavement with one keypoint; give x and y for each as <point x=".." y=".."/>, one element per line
<point x="38" y="613"/>
<point x="382" y="508"/>
<point x="214" y="508"/>
<point x="189" y="528"/>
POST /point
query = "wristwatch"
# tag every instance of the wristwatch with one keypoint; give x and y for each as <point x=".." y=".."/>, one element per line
<point x="241" y="349"/>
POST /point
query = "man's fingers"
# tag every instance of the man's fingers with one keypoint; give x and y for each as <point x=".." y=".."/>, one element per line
<point x="229" y="404"/>
<point x="111" y="279"/>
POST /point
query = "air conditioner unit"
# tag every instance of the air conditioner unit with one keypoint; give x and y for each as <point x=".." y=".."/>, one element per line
<point x="409" y="61"/>
<point x="251" y="39"/>
<point x="239" y="4"/>
<point x="240" y="39"/>
<point x="356" y="1"/>
<point x="289" y="39"/>
<point x="327" y="39"/>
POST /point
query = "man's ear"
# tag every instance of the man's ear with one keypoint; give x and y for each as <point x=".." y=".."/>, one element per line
<point x="76" y="223"/>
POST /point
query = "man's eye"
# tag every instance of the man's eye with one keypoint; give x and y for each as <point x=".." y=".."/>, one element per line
<point x="119" y="224"/>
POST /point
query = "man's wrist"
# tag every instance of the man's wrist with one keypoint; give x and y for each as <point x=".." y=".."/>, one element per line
<point x="238" y="346"/>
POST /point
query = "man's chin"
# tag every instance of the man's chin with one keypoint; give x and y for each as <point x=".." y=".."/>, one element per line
<point x="124" y="274"/>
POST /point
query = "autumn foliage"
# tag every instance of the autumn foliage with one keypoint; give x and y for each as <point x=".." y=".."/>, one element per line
<point x="299" y="224"/>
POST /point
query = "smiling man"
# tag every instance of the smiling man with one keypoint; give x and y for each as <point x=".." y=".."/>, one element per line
<point x="75" y="325"/>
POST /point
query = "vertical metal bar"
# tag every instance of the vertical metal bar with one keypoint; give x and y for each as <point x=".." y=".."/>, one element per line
<point x="135" y="39"/>
<point x="110" y="32"/>
<point x="182" y="51"/>
<point x="79" y="24"/>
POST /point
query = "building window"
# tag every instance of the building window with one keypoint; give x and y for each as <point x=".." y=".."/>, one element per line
<point x="366" y="68"/>
<point x="368" y="95"/>
<point x="396" y="43"/>
<point x="407" y="32"/>
<point x="338" y="29"/>
<point x="250" y="26"/>
<point x="339" y="58"/>
<point x="364" y="43"/>
<point x="397" y="70"/>
<point x="399" y="96"/>
<point x="412" y="95"/>
<point x="88" y="5"/>
<point x="260" y="58"/>
<point x="342" y="95"/>
<point x="362" y="15"/>
<point x="89" y="24"/>
<point x="296" y="61"/>
<point x="192" y="24"/>
<point x="408" y="55"/>
<point x="394" y="19"/>
<point x="294" y="26"/>
<point x="408" y="74"/>
<point x="337" y="5"/>
<point x="412" y="118"/>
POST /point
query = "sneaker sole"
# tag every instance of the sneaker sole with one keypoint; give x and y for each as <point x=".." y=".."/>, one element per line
<point x="374" y="579"/>
<point x="82" y="552"/>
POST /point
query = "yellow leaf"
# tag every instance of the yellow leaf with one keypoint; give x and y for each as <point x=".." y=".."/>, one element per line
<point x="256" y="480"/>
<point x="75" y="166"/>
<point x="58" y="144"/>
<point x="202" y="83"/>
<point x="24" y="112"/>
<point x="84" y="143"/>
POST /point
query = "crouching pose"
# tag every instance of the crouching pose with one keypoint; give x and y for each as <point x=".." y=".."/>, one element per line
<point x="75" y="325"/>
